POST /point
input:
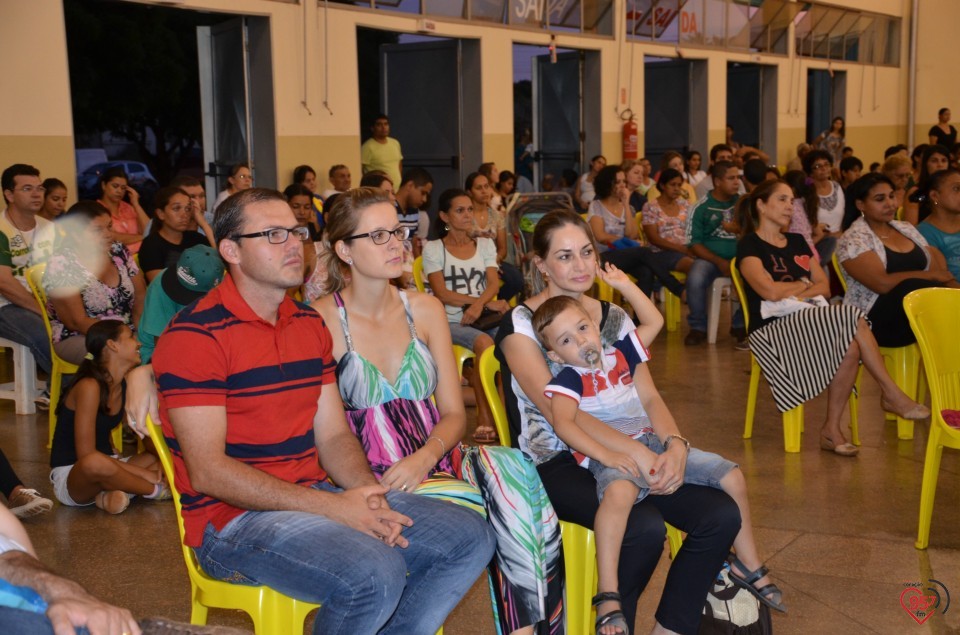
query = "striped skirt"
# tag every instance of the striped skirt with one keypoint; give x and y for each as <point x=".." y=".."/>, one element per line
<point x="800" y="353"/>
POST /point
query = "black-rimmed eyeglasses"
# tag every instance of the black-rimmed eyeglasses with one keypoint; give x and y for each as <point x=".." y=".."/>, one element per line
<point x="278" y="235"/>
<point x="382" y="236"/>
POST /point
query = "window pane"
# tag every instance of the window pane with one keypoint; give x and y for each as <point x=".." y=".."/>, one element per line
<point x="528" y="12"/>
<point x="738" y="25"/>
<point x="639" y="21"/>
<point x="407" y="6"/>
<point x="666" y="21"/>
<point x="598" y="16"/>
<point x="714" y="22"/>
<point x="691" y="22"/>
<point x="823" y="28"/>
<point x="493" y="10"/>
<point x="564" y="14"/>
<point x="448" y="8"/>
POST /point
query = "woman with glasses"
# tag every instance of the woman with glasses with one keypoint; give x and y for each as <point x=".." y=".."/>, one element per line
<point x="393" y="352"/>
<point x="90" y="277"/>
<point x="129" y="221"/>
<point x="614" y="223"/>
<point x="818" y="165"/>
<point x="240" y="178"/>
<point x="463" y="274"/>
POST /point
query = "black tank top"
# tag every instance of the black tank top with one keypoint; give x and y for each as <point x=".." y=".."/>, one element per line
<point x="913" y="260"/>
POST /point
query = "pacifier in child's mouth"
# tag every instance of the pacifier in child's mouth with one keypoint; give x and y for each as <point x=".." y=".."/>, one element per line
<point x="590" y="355"/>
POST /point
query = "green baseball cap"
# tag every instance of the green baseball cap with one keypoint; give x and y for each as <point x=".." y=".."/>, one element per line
<point x="198" y="270"/>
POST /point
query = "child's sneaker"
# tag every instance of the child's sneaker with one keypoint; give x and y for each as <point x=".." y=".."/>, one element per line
<point x="161" y="492"/>
<point x="28" y="502"/>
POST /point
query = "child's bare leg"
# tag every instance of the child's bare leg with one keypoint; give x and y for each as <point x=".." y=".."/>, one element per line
<point x="609" y="526"/>
<point x="745" y="545"/>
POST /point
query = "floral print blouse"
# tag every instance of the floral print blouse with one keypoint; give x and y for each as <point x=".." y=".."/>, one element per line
<point x="65" y="274"/>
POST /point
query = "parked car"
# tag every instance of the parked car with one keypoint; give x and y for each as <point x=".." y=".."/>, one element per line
<point x="89" y="156"/>
<point x="138" y="175"/>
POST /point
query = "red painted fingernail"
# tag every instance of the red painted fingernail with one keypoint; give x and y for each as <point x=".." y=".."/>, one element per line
<point x="652" y="471"/>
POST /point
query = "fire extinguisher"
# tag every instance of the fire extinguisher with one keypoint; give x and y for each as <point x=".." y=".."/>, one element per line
<point x="630" y="149"/>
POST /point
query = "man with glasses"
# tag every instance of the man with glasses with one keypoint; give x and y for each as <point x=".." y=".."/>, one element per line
<point x="248" y="393"/>
<point x="26" y="239"/>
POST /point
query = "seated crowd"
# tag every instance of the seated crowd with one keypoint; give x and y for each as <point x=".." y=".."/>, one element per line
<point x="302" y="309"/>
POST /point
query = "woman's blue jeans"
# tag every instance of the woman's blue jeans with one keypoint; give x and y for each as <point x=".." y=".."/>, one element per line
<point x="363" y="585"/>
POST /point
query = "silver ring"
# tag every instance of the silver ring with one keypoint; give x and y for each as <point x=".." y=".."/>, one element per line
<point x="403" y="487"/>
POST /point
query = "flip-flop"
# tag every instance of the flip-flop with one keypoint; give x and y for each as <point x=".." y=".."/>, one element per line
<point x="747" y="581"/>
<point x="613" y="618"/>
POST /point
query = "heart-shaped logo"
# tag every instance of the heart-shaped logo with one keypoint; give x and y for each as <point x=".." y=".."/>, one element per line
<point x="918" y="605"/>
<point x="803" y="261"/>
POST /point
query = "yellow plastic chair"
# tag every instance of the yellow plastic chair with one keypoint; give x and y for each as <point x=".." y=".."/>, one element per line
<point x="792" y="419"/>
<point x="60" y="366"/>
<point x="418" y="273"/>
<point x="933" y="318"/>
<point x="580" y="549"/>
<point x="902" y="362"/>
<point x="271" y="611"/>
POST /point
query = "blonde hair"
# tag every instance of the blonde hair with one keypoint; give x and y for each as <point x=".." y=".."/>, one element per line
<point x="342" y="220"/>
<point x="895" y="161"/>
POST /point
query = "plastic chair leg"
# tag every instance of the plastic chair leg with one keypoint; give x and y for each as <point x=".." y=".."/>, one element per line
<point x="713" y="310"/>
<point x="580" y="567"/>
<point x="672" y="306"/>
<point x="854" y="404"/>
<point x="56" y="381"/>
<point x="792" y="424"/>
<point x="752" y="397"/>
<point x="928" y="490"/>
<point x="675" y="539"/>
<point x="198" y="613"/>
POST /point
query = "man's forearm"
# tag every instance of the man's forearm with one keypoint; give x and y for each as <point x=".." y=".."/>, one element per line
<point x="342" y="457"/>
<point x="21" y="569"/>
<point x="20" y="296"/>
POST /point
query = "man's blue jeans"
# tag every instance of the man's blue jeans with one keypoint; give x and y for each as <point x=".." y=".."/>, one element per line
<point x="701" y="275"/>
<point x="364" y="586"/>
<point x="26" y="327"/>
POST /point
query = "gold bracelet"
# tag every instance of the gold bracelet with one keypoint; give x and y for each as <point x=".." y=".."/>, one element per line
<point x="443" y="447"/>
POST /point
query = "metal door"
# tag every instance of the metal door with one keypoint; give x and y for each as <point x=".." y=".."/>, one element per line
<point x="422" y="94"/>
<point x="667" y="94"/>
<point x="225" y="99"/>
<point x="557" y="115"/>
<point x="826" y="99"/>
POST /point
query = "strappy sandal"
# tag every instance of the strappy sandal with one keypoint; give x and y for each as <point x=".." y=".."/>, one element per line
<point x="748" y="580"/>
<point x="613" y="618"/>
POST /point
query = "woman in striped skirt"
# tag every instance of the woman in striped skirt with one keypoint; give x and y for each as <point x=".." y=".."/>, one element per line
<point x="811" y="349"/>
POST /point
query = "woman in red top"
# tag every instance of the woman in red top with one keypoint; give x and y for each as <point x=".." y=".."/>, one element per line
<point x="129" y="220"/>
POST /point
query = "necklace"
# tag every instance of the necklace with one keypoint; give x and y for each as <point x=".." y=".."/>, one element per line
<point x="28" y="244"/>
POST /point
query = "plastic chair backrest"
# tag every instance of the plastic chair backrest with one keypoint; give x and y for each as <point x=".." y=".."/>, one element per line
<point x="933" y="318"/>
<point x="839" y="271"/>
<point x="166" y="460"/>
<point x="741" y="292"/>
<point x="34" y="277"/>
<point x="418" y="273"/>
<point x="489" y="367"/>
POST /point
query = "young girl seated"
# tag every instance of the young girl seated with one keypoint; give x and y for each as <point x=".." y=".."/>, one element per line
<point x="615" y="386"/>
<point x="86" y="469"/>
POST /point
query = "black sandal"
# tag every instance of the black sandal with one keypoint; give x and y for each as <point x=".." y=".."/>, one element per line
<point x="613" y="618"/>
<point x="747" y="581"/>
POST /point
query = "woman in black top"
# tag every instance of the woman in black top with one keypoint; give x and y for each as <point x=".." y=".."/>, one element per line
<point x="803" y="352"/>
<point x="943" y="133"/>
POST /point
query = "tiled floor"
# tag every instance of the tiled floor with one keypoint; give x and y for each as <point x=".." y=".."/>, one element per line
<point x="837" y="533"/>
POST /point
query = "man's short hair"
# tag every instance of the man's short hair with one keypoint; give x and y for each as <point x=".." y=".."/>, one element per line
<point x="717" y="149"/>
<point x="719" y="169"/>
<point x="8" y="180"/>
<point x="850" y="163"/>
<point x="228" y="218"/>
<point x="185" y="180"/>
<point x="334" y="168"/>
<point x="378" y="118"/>
<point x="755" y="171"/>
<point x="419" y="176"/>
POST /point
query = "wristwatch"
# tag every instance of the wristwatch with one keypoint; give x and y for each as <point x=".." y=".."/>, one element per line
<point x="666" y="442"/>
